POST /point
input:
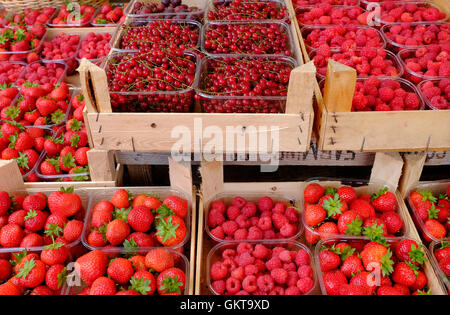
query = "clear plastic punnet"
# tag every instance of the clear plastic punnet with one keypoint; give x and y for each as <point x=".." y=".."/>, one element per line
<point x="217" y="5"/>
<point x="437" y="188"/>
<point x="121" y="31"/>
<point x="300" y="13"/>
<point x="282" y="27"/>
<point x="95" y="23"/>
<point x="162" y="192"/>
<point x="188" y="9"/>
<point x="72" y="23"/>
<point x="215" y="254"/>
<point x="429" y="101"/>
<point x="74" y="285"/>
<point x="71" y="63"/>
<point x="399" y="4"/>
<point x="11" y="15"/>
<point x="227" y="199"/>
<point x="223" y="103"/>
<point x="22" y="55"/>
<point x="306" y="3"/>
<point x="409" y="74"/>
<point x="25" y="77"/>
<point x="435" y="246"/>
<point x="361" y="187"/>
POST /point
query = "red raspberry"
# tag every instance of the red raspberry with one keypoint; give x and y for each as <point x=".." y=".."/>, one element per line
<point x="219" y="287"/>
<point x="230" y="227"/>
<point x="261" y="251"/>
<point x="215" y="218"/>
<point x="277" y="291"/>
<point x="273" y="263"/>
<point x="269" y="235"/>
<point x="265" y="223"/>
<point x="249" y="284"/>
<point x="292" y="279"/>
<point x="324" y="50"/>
<point x="233" y="212"/>
<point x="279" y="220"/>
<point x="265" y="283"/>
<point x="292" y="290"/>
<point x="244" y="247"/>
<point x="386" y="94"/>
<point x="218" y="232"/>
<point x="292" y="215"/>
<point x="288" y="230"/>
<point x="305" y="285"/>
<point x="230" y="264"/>
<point x="249" y="210"/>
<point x="254" y="221"/>
<point x="241" y="235"/>
<point x="276" y="251"/>
<point x="285" y="256"/>
<point x="238" y="273"/>
<point x="229" y="253"/>
<point x="218" y="271"/>
<point x="261" y="265"/>
<point x="289" y="266"/>
<point x="384" y="108"/>
<point x="265" y="204"/>
<point x="243" y="222"/>
<point x="239" y="202"/>
<point x="305" y="271"/>
<point x="280" y="207"/>
<point x="279" y="275"/>
<point x="218" y="205"/>
<point x="302" y="258"/>
<point x="412" y="101"/>
<point x="255" y="233"/>
<point x="233" y="285"/>
<point x="251" y="270"/>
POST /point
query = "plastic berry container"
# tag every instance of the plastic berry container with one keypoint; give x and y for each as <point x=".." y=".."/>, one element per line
<point x="300" y="11"/>
<point x="162" y="192"/>
<point x="20" y="72"/>
<point x="116" y="40"/>
<point x="22" y="55"/>
<point x="113" y="5"/>
<point x="197" y="15"/>
<point x="72" y="62"/>
<point x="74" y="285"/>
<point x="425" y="4"/>
<point x="305" y="3"/>
<point x="434" y="246"/>
<point x="215" y="254"/>
<point x="359" y="244"/>
<point x="306" y="30"/>
<point x="282" y="27"/>
<point x="437" y="188"/>
<point x="147" y="101"/>
<point x="389" y="55"/>
<point x="410" y="75"/>
<point x="84" y="196"/>
<point x="25" y="74"/>
<point x="68" y="25"/>
<point x="364" y="3"/>
<point x="11" y="14"/>
<point x="395" y="46"/>
<point x="426" y="99"/>
<point x="215" y="103"/>
<point x="216" y="5"/>
<point x="361" y="187"/>
<point x="227" y="199"/>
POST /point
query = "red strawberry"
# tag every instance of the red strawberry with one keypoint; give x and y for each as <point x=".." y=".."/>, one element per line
<point x="35" y="220"/>
<point x="178" y="205"/>
<point x="64" y="203"/>
<point x="11" y="235"/>
<point x="347" y="194"/>
<point x="103" y="286"/>
<point x="8" y="288"/>
<point x="313" y="192"/>
<point x="328" y="260"/>
<point x="56" y="277"/>
<point x="31" y="273"/>
<point x="46" y="106"/>
<point x="117" y="231"/>
<point x="143" y="282"/>
<point x="120" y="270"/>
<point x="159" y="260"/>
<point x="171" y="282"/>
<point x="91" y="266"/>
<point x="403" y="274"/>
<point x="121" y="199"/>
<point x="5" y="202"/>
<point x="56" y="253"/>
<point x="384" y="201"/>
<point x="81" y="156"/>
<point x="73" y="230"/>
<point x="140" y="219"/>
<point x="333" y="280"/>
<point x="171" y="231"/>
<point x="314" y="215"/>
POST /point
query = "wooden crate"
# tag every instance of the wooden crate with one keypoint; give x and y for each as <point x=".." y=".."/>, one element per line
<point x="340" y="129"/>
<point x="145" y="132"/>
<point x="103" y="172"/>
<point x="387" y="168"/>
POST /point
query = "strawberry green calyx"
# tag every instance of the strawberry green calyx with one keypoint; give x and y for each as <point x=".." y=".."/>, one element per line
<point x="67" y="190"/>
<point x="27" y="267"/>
<point x="444" y="244"/>
<point x="433" y="212"/>
<point x="333" y="206"/>
<point x="102" y="230"/>
<point x="171" y="285"/>
<point x="13" y="112"/>
<point x="375" y="233"/>
<point x="58" y="117"/>
<point x="416" y="255"/>
<point x="13" y="139"/>
<point x="413" y="267"/>
<point x="140" y="285"/>
<point x="54" y="245"/>
<point x="53" y="231"/>
<point x="80" y="170"/>
<point x="443" y="197"/>
<point x="29" y="84"/>
<point x="427" y="195"/>
<point x="163" y="212"/>
<point x="75" y="125"/>
<point x="80" y="97"/>
<point x="121" y="214"/>
<point x="31" y="214"/>
<point x="330" y="191"/>
<point x="68" y="160"/>
<point x="62" y="277"/>
<point x="344" y="253"/>
<point x="354" y="227"/>
<point x="130" y="244"/>
<point x="74" y="140"/>
<point x="20" y="34"/>
<point x="5" y="86"/>
<point x="59" y="140"/>
<point x="55" y="163"/>
<point x="424" y="292"/>
<point x="387" y="265"/>
<point x="380" y="193"/>
<point x="166" y="229"/>
<point x="18" y="257"/>
<point x="22" y="161"/>
<point x="15" y="123"/>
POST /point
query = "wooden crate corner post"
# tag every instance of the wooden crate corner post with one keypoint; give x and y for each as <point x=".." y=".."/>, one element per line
<point x="11" y="178"/>
<point x="339" y="87"/>
<point x="387" y="168"/>
<point x="412" y="170"/>
<point x="102" y="165"/>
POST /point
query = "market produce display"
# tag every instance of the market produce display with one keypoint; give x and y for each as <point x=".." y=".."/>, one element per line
<point x="109" y="15"/>
<point x="261" y="269"/>
<point x="406" y="35"/>
<point x="167" y="9"/>
<point x="436" y="93"/>
<point x="29" y="17"/>
<point x="20" y="42"/>
<point x="63" y="47"/>
<point x="441" y="256"/>
<point x="347" y="268"/>
<point x="42" y="73"/>
<point x="237" y="10"/>
<point x="94" y="46"/>
<point x="64" y="18"/>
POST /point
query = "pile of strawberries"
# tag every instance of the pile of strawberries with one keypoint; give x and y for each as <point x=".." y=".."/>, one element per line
<point x="326" y="14"/>
<point x="29" y="17"/>
<point x="407" y="35"/>
<point x="110" y="15"/>
<point x="382" y="94"/>
<point x="37" y="220"/>
<point x="262" y="269"/>
<point x="357" y="267"/>
<point x="330" y="212"/>
<point x="368" y="61"/>
<point x="79" y="19"/>
<point x="20" y="41"/>
<point x="43" y="73"/>
<point x="442" y="255"/>
<point x="432" y="214"/>
<point x="404" y="12"/>
<point x="10" y="72"/>
<point x="94" y="46"/>
<point x="245" y="220"/>
<point x="139" y="221"/>
<point x="345" y="37"/>
<point x="246" y="10"/>
<point x="63" y="47"/>
<point x="436" y="92"/>
<point x="426" y="62"/>
<point x="158" y="271"/>
<point x="8" y="92"/>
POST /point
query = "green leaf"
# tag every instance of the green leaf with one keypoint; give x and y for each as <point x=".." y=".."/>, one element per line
<point x="163" y="212"/>
<point x="330" y="191"/>
<point x="31" y="214"/>
<point x="22" y="161"/>
<point x="26" y="269"/>
<point x="354" y="227"/>
<point x="166" y="229"/>
<point x="18" y="257"/>
<point x="140" y="285"/>
<point x="20" y="34"/>
<point x="380" y="193"/>
<point x="53" y="231"/>
<point x="433" y="212"/>
<point x="375" y="233"/>
<point x="76" y="125"/>
<point x="55" y="163"/>
<point x="13" y="112"/>
<point x="387" y="265"/>
<point x="413" y="267"/>
<point x="424" y="292"/>
<point x="62" y="276"/>
<point x="427" y="195"/>
<point x="75" y="140"/>
<point x="58" y="116"/>
<point x="333" y="206"/>
<point x="171" y="285"/>
<point x="417" y="255"/>
<point x="68" y="160"/>
<point x="121" y="214"/>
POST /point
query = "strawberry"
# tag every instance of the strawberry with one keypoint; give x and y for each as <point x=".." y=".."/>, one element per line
<point x="384" y="200"/>
<point x="333" y="280"/>
<point x="363" y="208"/>
<point x="53" y="146"/>
<point x="375" y="254"/>
<point x="393" y="222"/>
<point x="363" y="279"/>
<point x="159" y="260"/>
<point x="117" y="231"/>
<point x="5" y="202"/>
<point x="100" y="217"/>
<point x="178" y="205"/>
<point x="91" y="266"/>
<point x="32" y="240"/>
<point x="171" y="231"/>
<point x="56" y="277"/>
<point x="403" y="274"/>
<point x="81" y="157"/>
<point x="352" y="265"/>
<point x="138" y="263"/>
<point x="18" y="217"/>
<point x="64" y="203"/>
<point x="8" y="288"/>
<point x="11" y="235"/>
<point x="313" y="192"/>
<point x="350" y="223"/>
<point x="139" y="239"/>
<point x="35" y="220"/>
<point x="171" y="281"/>
<point x="140" y="219"/>
<point x="103" y="286"/>
<point x="73" y="230"/>
<point x="328" y="260"/>
<point x="54" y="254"/>
<point x="50" y="167"/>
<point x="120" y="270"/>
<point x="314" y="215"/>
<point x="143" y="282"/>
<point x="121" y="199"/>
<point x="347" y="194"/>
<point x="434" y="229"/>
<point x="46" y="106"/>
<point x="352" y="289"/>
<point x="31" y="273"/>
<point x="5" y="269"/>
<point x="97" y="239"/>
<point x="335" y="207"/>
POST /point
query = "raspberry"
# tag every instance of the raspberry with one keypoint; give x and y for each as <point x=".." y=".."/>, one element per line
<point x="230" y="264"/>
<point x="261" y="251"/>
<point x="279" y="207"/>
<point x="292" y="279"/>
<point x="378" y="62"/>
<point x="238" y="273"/>
<point x="251" y="270"/>
<point x="285" y="256"/>
<point x="240" y="235"/>
<point x="397" y="102"/>
<point x="412" y="101"/>
<point x="279" y="220"/>
<point x="242" y="292"/>
<point x="289" y="266"/>
<point x="368" y="52"/>
<point x="243" y="221"/>
<point x="215" y="218"/>
<point x="277" y="291"/>
<point x="324" y="50"/>
<point x="255" y="233"/>
<point x="218" y="271"/>
<point x="261" y="265"/>
<point x="385" y="108"/>
<point x="239" y="202"/>
<point x="219" y="206"/>
<point x="265" y="223"/>
<point x="302" y="258"/>
<point x="233" y="285"/>
<point x="292" y="215"/>
<point x="219" y="286"/>
<point x="233" y="212"/>
<point x="288" y="230"/>
<point x="292" y="290"/>
<point x="305" y="285"/>
<point x="229" y="253"/>
<point x="386" y="94"/>
<point x="218" y="232"/>
<point x="265" y="204"/>
<point x="439" y="102"/>
<point x="244" y="247"/>
<point x="265" y="283"/>
<point x="249" y="284"/>
<point x="269" y="235"/>
<point x="273" y="263"/>
<point x="230" y="227"/>
<point x="254" y="221"/>
<point x="279" y="275"/>
<point x="359" y="101"/>
<point x="305" y="271"/>
<point x="276" y="251"/>
<point x="249" y="210"/>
